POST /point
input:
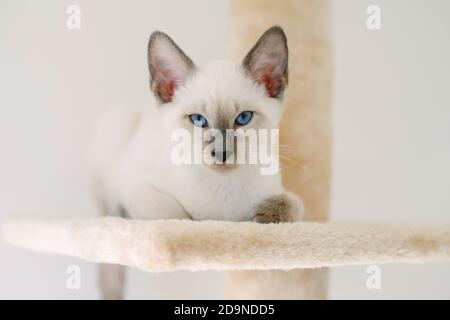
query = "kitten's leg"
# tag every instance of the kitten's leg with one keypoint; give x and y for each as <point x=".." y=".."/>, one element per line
<point x="140" y="202"/>
<point x="285" y="207"/>
<point x="111" y="276"/>
<point x="112" y="281"/>
<point x="147" y="202"/>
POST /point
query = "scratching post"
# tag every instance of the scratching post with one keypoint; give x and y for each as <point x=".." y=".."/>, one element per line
<point x="305" y="128"/>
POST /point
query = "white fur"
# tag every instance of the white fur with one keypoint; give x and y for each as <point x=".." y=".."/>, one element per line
<point x="132" y="165"/>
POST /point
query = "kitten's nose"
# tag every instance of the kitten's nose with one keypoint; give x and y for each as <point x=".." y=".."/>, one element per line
<point x="221" y="156"/>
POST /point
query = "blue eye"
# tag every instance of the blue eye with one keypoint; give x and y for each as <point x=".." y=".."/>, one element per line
<point x="243" y="118"/>
<point x="199" y="120"/>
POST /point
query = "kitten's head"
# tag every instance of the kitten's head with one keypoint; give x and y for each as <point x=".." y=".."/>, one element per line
<point x="220" y="96"/>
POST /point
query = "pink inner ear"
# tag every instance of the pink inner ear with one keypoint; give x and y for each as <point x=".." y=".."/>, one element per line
<point x="166" y="90"/>
<point x="271" y="84"/>
<point x="166" y="84"/>
<point x="267" y="77"/>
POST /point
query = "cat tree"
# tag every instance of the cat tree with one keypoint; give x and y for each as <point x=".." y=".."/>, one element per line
<point x="261" y="261"/>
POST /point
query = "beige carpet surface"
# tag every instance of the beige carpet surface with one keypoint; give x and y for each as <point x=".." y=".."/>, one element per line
<point x="191" y="245"/>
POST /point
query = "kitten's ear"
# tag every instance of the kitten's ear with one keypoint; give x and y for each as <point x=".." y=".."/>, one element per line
<point x="169" y="66"/>
<point x="267" y="61"/>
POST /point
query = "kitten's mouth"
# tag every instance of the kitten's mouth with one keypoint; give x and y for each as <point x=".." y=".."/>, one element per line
<point x="223" y="167"/>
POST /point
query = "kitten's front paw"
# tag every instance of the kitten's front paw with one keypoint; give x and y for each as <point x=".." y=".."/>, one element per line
<point x="280" y="208"/>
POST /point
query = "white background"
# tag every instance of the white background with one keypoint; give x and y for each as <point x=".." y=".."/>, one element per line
<point x="391" y="126"/>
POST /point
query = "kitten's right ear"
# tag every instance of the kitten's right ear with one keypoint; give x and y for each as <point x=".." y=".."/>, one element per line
<point x="169" y="66"/>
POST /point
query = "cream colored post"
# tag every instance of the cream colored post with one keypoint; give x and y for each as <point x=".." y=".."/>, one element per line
<point x="305" y="128"/>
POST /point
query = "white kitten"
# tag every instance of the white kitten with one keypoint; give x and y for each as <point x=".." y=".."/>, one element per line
<point x="134" y="171"/>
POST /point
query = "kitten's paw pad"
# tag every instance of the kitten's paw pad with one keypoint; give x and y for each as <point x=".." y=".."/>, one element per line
<point x="275" y="209"/>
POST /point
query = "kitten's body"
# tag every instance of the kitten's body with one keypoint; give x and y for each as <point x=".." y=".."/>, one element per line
<point x="134" y="173"/>
<point x="132" y="152"/>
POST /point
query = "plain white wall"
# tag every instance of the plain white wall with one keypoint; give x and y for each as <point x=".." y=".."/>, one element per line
<point x="392" y="132"/>
<point x="391" y="121"/>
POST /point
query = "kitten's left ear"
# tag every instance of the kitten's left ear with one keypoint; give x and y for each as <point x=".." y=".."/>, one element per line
<point x="169" y="66"/>
<point x="267" y="61"/>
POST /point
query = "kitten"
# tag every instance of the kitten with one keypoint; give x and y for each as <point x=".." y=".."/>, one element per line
<point x="134" y="170"/>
